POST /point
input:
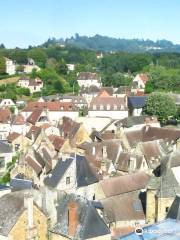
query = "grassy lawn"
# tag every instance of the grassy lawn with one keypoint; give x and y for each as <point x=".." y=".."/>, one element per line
<point x="9" y="80"/>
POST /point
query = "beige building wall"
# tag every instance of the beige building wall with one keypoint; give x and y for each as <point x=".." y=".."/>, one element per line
<point x="163" y="205"/>
<point x="19" y="231"/>
<point x="150" y="206"/>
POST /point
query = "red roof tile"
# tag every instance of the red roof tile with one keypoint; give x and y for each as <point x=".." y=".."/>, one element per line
<point x="56" y="141"/>
<point x="12" y="136"/>
<point x="51" y="106"/>
<point x="5" y="115"/>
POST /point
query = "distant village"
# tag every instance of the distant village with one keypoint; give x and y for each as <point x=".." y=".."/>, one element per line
<point x="87" y="166"/>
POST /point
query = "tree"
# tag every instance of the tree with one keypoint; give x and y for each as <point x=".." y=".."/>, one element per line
<point x="38" y="55"/>
<point x="161" y="105"/>
<point x="2" y="65"/>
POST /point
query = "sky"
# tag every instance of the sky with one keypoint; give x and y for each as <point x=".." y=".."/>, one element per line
<point x="24" y="23"/>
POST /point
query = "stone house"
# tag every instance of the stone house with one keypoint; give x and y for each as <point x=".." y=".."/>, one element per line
<point x="136" y="104"/>
<point x="18" y="124"/>
<point x="162" y="190"/>
<point x="55" y="110"/>
<point x="10" y="66"/>
<point x="5" y="123"/>
<point x="20" y="218"/>
<point x="6" y="155"/>
<point x="72" y="175"/>
<point x="105" y="105"/>
<point x="34" y="85"/>
<point x="139" y="83"/>
<point x="86" y="79"/>
<point x="77" y="218"/>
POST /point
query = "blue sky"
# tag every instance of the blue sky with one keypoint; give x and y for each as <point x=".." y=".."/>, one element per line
<point x="32" y="22"/>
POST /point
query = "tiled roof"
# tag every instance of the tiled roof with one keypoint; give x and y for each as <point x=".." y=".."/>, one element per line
<point x="5" y="115"/>
<point x="12" y="136"/>
<point x="87" y="75"/>
<point x="124" y="207"/>
<point x="91" y="225"/>
<point x="144" y="77"/>
<point x="5" y="148"/>
<point x="35" y="115"/>
<point x="124" y="184"/>
<point x="51" y="106"/>
<point x="34" y="165"/>
<point x="19" y="120"/>
<point x="105" y="103"/>
<point x="136" y="101"/>
<point x="56" y="141"/>
<point x="151" y="133"/>
<point x="33" y="130"/>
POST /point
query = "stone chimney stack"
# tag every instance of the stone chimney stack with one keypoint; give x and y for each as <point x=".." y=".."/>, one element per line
<point x="33" y="136"/>
<point x="28" y="204"/>
<point x="73" y="220"/>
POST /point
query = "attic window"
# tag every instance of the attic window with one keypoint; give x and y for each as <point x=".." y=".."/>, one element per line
<point x="68" y="180"/>
<point x="101" y="107"/>
<point x="167" y="209"/>
<point x="108" y="107"/>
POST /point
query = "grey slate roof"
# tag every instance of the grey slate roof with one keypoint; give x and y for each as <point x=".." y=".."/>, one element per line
<point x="11" y="207"/>
<point x="166" y="185"/>
<point x="5" y="148"/>
<point x="57" y="173"/>
<point x="4" y="187"/>
<point x="136" y="101"/>
<point x="174" y="211"/>
<point x="84" y="173"/>
<point x="91" y="225"/>
<point x="20" y="184"/>
<point x="131" y="121"/>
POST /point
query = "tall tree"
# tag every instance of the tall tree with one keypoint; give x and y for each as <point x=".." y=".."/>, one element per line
<point x="161" y="105"/>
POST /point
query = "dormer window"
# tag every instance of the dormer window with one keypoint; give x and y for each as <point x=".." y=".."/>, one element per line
<point x="115" y="107"/>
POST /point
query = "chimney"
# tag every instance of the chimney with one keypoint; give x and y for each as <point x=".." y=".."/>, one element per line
<point x="28" y="204"/>
<point x="93" y="150"/>
<point x="32" y="136"/>
<point x="72" y="218"/>
<point x="104" y="151"/>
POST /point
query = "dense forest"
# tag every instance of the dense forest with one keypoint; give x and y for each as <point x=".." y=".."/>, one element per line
<point x="116" y="69"/>
<point x="110" y="44"/>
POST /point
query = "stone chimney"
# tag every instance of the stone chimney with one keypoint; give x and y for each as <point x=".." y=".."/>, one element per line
<point x="73" y="220"/>
<point x="93" y="150"/>
<point x="33" y="136"/>
<point x="104" y="151"/>
<point x="28" y="204"/>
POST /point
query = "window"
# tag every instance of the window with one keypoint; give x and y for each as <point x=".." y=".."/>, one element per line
<point x="2" y="162"/>
<point x="108" y="107"/>
<point x="167" y="209"/>
<point x="94" y="107"/>
<point x="17" y="147"/>
<point x="101" y="107"/>
<point x="115" y="107"/>
<point x="68" y="180"/>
